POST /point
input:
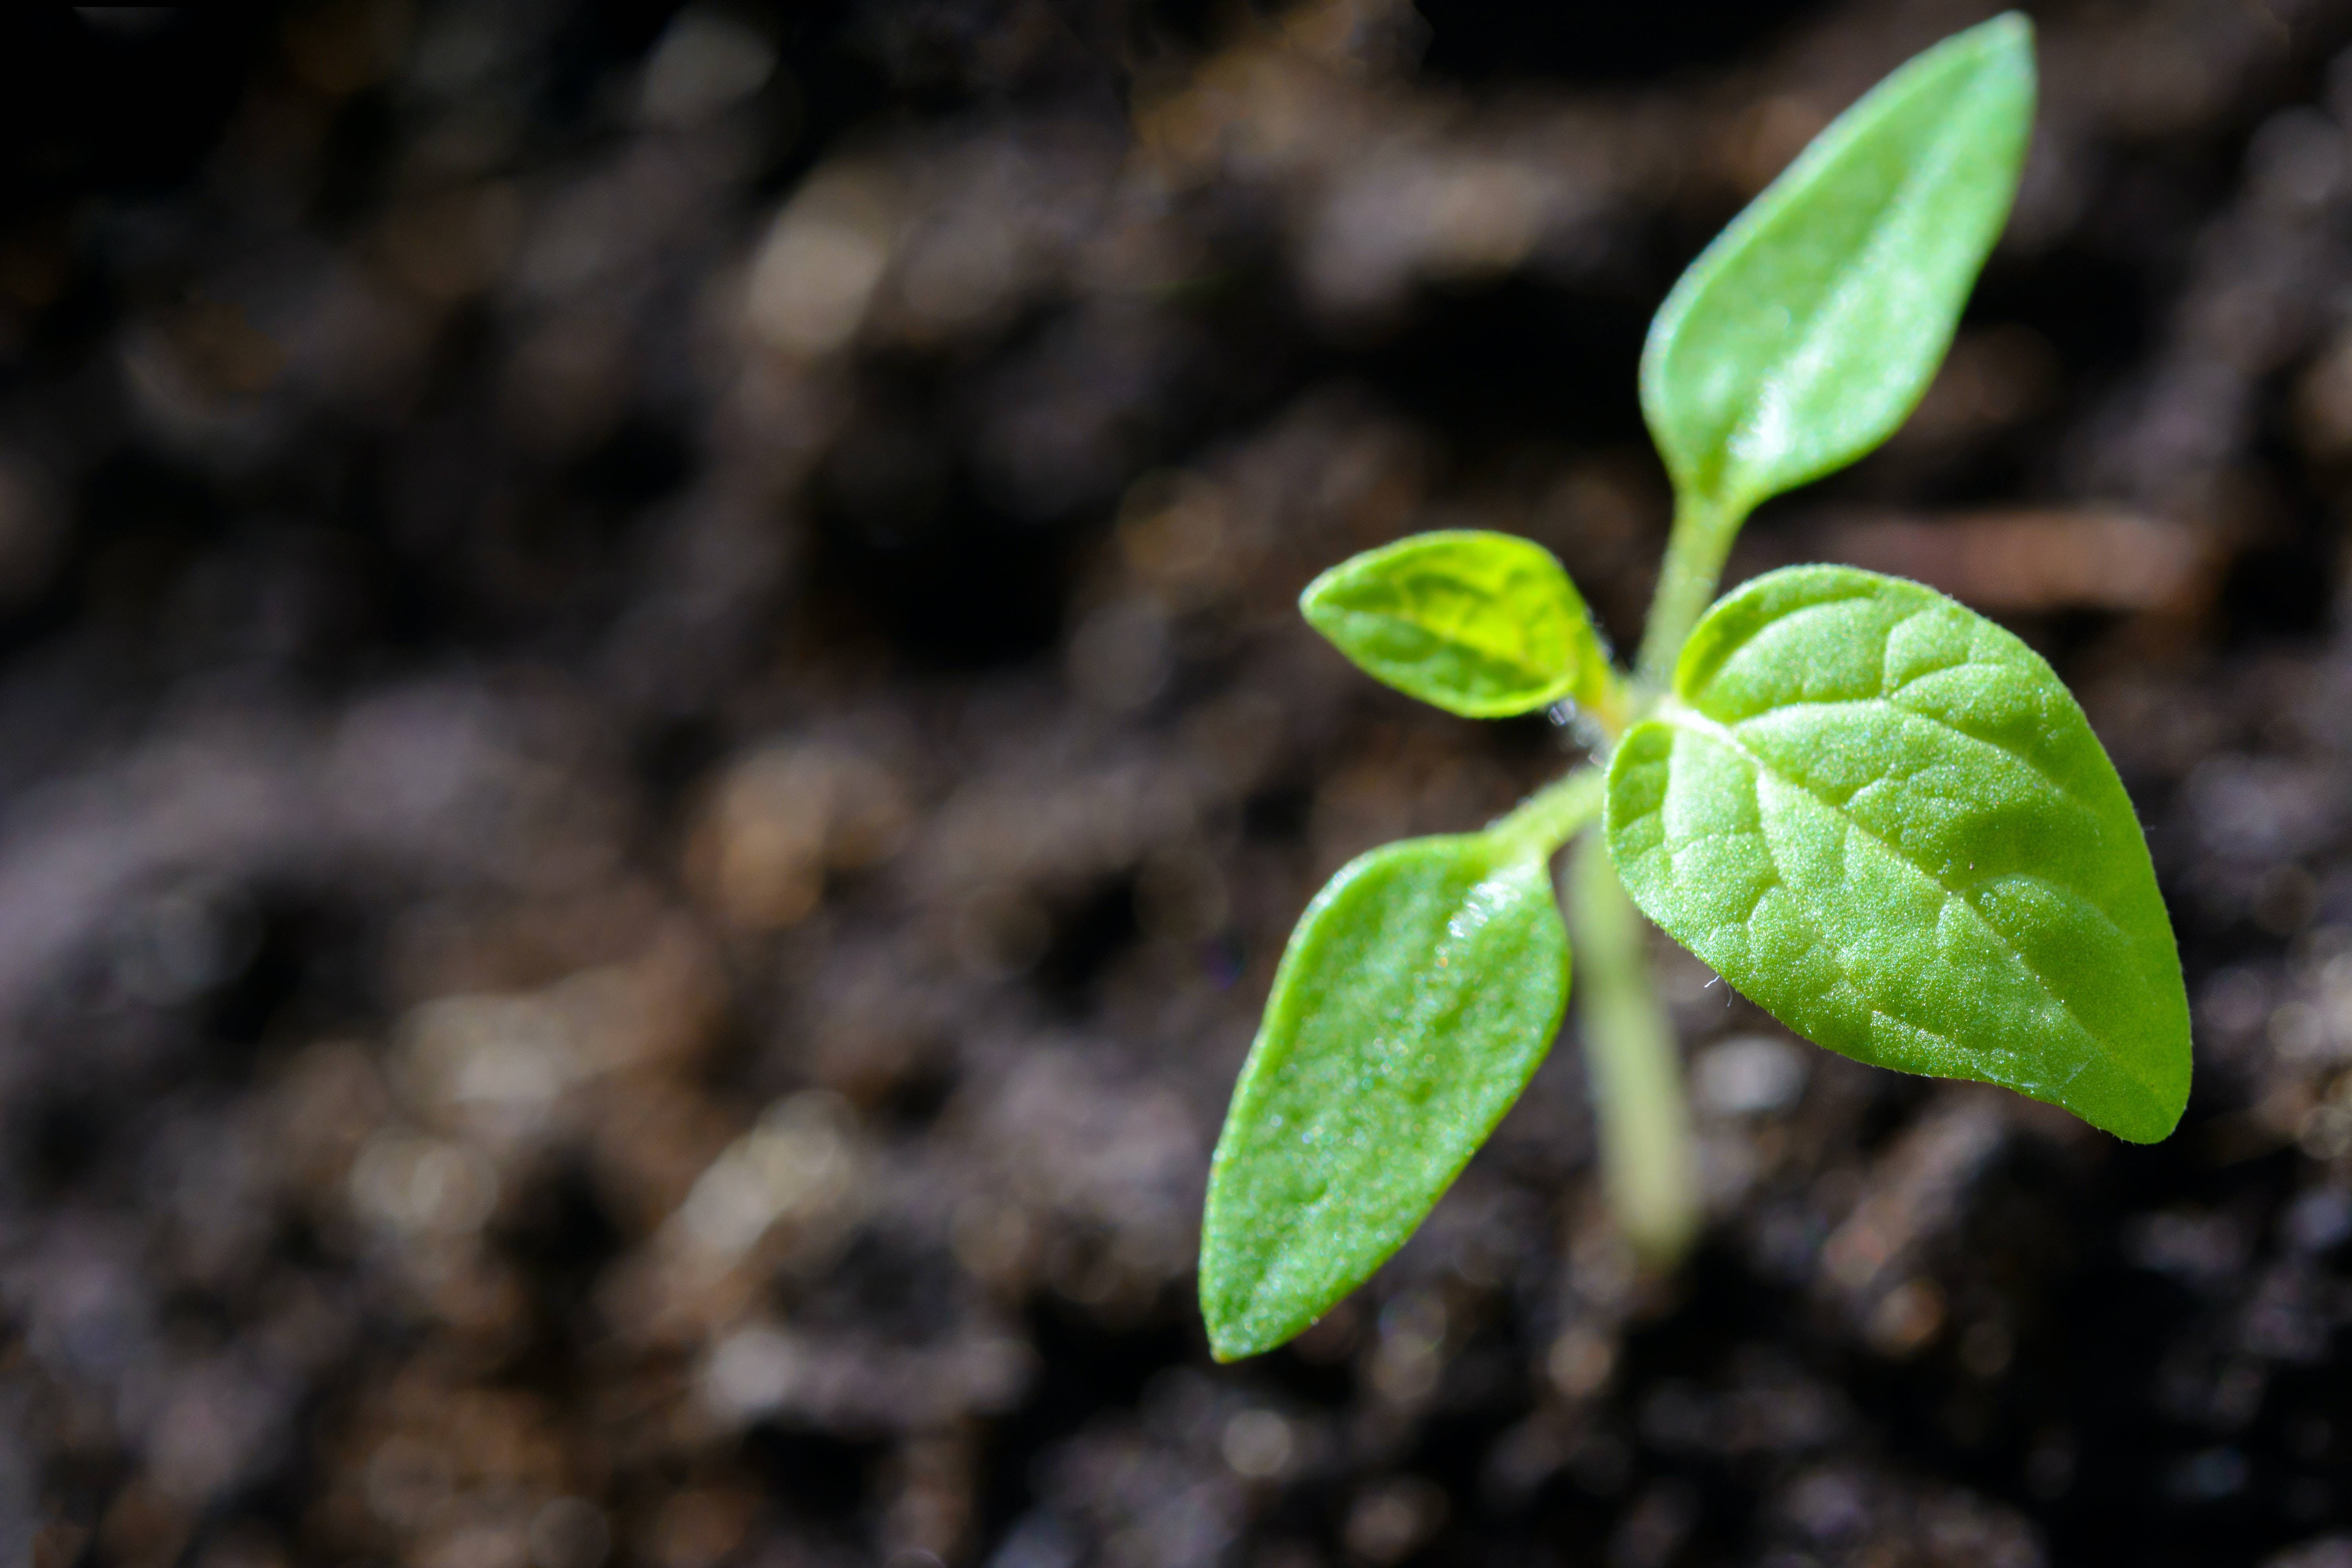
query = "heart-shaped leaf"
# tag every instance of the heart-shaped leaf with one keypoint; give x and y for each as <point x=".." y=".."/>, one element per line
<point x="1808" y="330"/>
<point x="1421" y="989"/>
<point x="1482" y="625"/>
<point x="1883" y="818"/>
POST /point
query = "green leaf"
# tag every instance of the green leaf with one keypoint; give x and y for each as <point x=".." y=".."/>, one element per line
<point x="1482" y="625"/>
<point x="1808" y="330"/>
<point x="1884" y="819"/>
<point x="1422" y="986"/>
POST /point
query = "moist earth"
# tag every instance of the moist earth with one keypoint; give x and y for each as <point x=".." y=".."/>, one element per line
<point x="654" y="749"/>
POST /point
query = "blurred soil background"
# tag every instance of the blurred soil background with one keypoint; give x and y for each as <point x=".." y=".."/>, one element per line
<point x="654" y="753"/>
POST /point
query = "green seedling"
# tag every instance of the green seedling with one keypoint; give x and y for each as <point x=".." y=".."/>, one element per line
<point x="1876" y="814"/>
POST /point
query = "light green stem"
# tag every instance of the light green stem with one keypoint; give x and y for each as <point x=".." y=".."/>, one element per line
<point x="1648" y="1161"/>
<point x="1649" y="1165"/>
<point x="1686" y="580"/>
<point x="1553" y="815"/>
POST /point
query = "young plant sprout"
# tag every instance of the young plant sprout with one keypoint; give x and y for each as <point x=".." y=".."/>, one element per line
<point x="1876" y="814"/>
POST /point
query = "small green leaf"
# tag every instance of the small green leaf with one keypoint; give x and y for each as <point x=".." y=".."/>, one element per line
<point x="1885" y="820"/>
<point x="1422" y="986"/>
<point x="1482" y="625"/>
<point x="1808" y="330"/>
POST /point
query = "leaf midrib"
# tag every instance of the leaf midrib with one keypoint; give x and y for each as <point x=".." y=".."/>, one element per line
<point x="1681" y="714"/>
<point x="1534" y="674"/>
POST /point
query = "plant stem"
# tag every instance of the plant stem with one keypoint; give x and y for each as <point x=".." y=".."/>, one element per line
<point x="1648" y="1164"/>
<point x="1554" y="814"/>
<point x="1702" y="537"/>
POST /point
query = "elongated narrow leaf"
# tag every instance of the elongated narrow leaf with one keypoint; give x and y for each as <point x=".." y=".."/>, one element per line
<point x="1422" y="986"/>
<point x="1883" y="818"/>
<point x="1482" y="625"/>
<point x="1806" y="334"/>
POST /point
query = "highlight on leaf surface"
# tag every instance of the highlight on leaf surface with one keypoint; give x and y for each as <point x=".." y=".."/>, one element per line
<point x="1482" y="625"/>
<point x="1807" y="332"/>
<point x="1421" y="989"/>
<point x="1884" y="819"/>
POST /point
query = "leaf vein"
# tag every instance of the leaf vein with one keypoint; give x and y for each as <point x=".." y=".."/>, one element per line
<point x="1936" y="720"/>
<point x="1704" y="725"/>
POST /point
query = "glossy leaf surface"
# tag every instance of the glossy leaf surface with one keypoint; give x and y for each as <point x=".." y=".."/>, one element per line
<point x="1806" y="334"/>
<point x="1421" y="989"/>
<point x="1884" y="819"/>
<point x="1482" y="625"/>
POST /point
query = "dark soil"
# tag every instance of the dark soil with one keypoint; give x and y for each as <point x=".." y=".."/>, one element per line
<point x="654" y="753"/>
